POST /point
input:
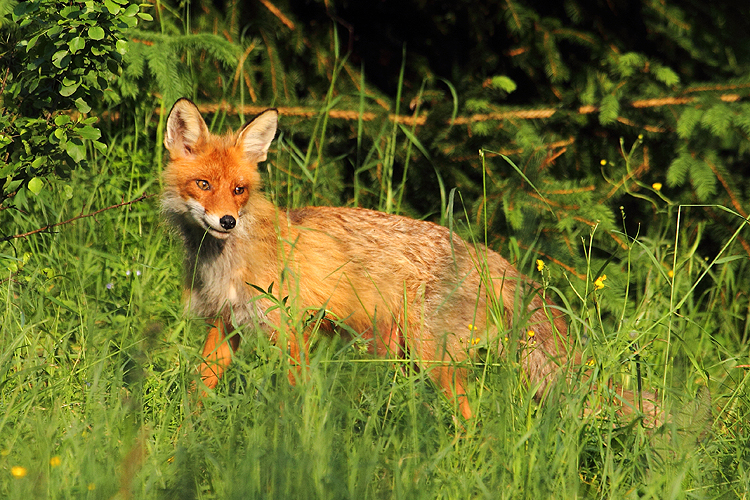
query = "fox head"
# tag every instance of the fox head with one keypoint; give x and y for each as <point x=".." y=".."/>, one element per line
<point x="211" y="178"/>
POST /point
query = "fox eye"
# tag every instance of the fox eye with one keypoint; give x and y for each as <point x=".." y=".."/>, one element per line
<point x="239" y="190"/>
<point x="204" y="185"/>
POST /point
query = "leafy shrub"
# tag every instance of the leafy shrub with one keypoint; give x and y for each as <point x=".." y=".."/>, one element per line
<point x="59" y="59"/>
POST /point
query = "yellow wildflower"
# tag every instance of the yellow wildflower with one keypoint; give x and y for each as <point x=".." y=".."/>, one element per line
<point x="656" y="186"/>
<point x="603" y="162"/>
<point x="539" y="264"/>
<point x="599" y="283"/>
<point x="475" y="340"/>
<point x="18" y="472"/>
<point x="55" y="461"/>
<point x="472" y="328"/>
<point x="670" y="273"/>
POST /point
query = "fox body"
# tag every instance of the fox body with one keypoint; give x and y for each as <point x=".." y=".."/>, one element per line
<point x="411" y="287"/>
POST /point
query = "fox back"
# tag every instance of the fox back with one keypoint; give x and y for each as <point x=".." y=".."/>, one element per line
<point x="411" y="288"/>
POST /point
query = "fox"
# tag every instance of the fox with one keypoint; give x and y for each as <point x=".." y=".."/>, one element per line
<point x="412" y="289"/>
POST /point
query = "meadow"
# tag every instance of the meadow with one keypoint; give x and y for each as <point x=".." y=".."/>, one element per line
<point x="99" y="355"/>
<point x="619" y="189"/>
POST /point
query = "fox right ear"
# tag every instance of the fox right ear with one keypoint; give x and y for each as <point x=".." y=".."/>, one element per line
<point x="255" y="137"/>
<point x="185" y="129"/>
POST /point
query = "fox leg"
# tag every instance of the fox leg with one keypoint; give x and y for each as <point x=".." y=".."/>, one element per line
<point x="452" y="381"/>
<point x="293" y="349"/>
<point x="217" y="353"/>
<point x="443" y="366"/>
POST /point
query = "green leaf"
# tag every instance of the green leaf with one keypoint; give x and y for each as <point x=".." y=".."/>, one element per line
<point x="76" y="151"/>
<point x="131" y="10"/>
<point x="76" y="44"/>
<point x="35" y="185"/>
<point x="61" y="120"/>
<point x="89" y="132"/>
<point x="32" y="42"/>
<point x="122" y="47"/>
<point x="69" y="90"/>
<point x="112" y="7"/>
<point x="70" y="12"/>
<point x="96" y="33"/>
<point x="82" y="105"/>
<point x="130" y="22"/>
<point x="61" y="58"/>
<point x="24" y="8"/>
<point x="38" y="162"/>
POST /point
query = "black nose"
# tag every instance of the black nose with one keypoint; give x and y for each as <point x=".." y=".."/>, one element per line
<point x="227" y="222"/>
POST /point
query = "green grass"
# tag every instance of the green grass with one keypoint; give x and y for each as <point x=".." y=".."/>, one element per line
<point x="98" y="358"/>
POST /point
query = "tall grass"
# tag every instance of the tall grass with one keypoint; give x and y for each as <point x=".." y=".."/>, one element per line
<point x="98" y="358"/>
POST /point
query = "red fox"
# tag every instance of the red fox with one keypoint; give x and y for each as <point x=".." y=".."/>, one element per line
<point x="411" y="288"/>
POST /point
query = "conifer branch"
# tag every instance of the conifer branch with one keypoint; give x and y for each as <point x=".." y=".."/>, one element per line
<point x="276" y="12"/>
<point x="735" y="202"/>
<point x="520" y="114"/>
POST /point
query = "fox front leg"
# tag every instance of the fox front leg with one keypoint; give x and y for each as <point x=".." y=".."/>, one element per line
<point x="217" y="353"/>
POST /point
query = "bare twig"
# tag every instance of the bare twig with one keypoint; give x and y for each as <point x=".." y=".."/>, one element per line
<point x="79" y="216"/>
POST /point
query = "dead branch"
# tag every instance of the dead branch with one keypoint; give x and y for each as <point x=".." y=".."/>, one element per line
<point x="79" y="216"/>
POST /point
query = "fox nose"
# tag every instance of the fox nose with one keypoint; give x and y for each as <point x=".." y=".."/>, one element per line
<point x="228" y="222"/>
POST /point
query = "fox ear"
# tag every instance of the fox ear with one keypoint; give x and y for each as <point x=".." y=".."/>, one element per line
<point x="255" y="137"/>
<point x="186" y="129"/>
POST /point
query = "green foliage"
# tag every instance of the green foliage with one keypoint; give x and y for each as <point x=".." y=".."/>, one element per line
<point x="58" y="60"/>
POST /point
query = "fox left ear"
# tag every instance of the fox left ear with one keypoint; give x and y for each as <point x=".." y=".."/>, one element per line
<point x="255" y="137"/>
<point x="186" y="130"/>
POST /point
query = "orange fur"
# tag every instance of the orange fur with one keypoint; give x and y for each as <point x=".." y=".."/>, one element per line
<point x="411" y="287"/>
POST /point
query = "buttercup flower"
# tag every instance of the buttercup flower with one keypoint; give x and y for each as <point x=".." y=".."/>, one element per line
<point x="18" y="472"/>
<point x="656" y="186"/>
<point x="599" y="283"/>
<point x="539" y="264"/>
